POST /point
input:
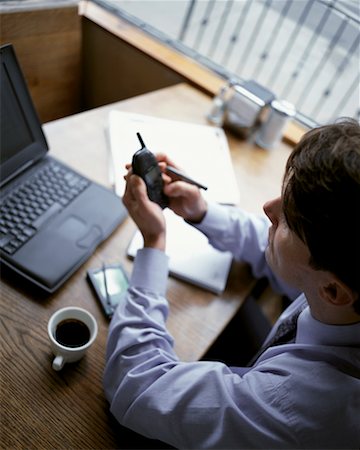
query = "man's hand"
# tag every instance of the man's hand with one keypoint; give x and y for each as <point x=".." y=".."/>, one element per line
<point x="147" y="215"/>
<point x="184" y="199"/>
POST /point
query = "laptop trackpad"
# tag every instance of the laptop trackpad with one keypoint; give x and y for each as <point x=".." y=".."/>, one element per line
<point x="76" y="229"/>
<point x="65" y="245"/>
<point x="92" y="237"/>
<point x="72" y="227"/>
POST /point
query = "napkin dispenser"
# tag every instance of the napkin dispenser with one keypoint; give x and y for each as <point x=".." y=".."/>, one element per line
<point x="241" y="107"/>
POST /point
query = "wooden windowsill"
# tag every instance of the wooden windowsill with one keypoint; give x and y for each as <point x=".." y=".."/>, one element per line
<point x="33" y="5"/>
<point x="190" y="69"/>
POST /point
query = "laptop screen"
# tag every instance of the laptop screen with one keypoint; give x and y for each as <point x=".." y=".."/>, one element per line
<point x="22" y="140"/>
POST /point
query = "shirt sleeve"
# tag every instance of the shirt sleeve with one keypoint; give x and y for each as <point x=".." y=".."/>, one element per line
<point x="245" y="235"/>
<point x="186" y="404"/>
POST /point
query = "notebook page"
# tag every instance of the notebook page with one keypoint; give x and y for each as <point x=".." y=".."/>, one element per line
<point x="197" y="262"/>
<point x="201" y="151"/>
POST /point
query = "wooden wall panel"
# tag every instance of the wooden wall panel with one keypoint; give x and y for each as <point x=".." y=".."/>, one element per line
<point x="48" y="45"/>
<point x="115" y="70"/>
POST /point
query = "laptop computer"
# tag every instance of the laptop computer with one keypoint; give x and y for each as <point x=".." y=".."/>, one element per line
<point x="51" y="217"/>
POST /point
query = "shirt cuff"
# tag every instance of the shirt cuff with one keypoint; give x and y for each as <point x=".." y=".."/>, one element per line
<point x="151" y="270"/>
<point x="216" y="219"/>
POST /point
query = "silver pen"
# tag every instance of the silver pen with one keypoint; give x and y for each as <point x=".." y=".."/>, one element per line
<point x="183" y="177"/>
<point x="108" y="301"/>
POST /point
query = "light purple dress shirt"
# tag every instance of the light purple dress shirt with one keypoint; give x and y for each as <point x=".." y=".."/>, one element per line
<point x="300" y="395"/>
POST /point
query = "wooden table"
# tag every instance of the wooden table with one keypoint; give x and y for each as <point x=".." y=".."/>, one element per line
<point x="45" y="409"/>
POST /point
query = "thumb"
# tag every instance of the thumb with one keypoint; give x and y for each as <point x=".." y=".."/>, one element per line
<point x="179" y="189"/>
<point x="137" y="187"/>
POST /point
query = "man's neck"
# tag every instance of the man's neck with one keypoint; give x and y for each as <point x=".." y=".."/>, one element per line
<point x="335" y="315"/>
<point x="327" y="311"/>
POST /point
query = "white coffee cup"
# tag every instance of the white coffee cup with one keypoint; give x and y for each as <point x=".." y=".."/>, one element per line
<point x="72" y="331"/>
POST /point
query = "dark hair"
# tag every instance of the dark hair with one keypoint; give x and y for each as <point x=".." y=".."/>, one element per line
<point x="321" y="199"/>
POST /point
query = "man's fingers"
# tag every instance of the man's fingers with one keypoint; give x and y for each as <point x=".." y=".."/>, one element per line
<point x="138" y="187"/>
<point x="164" y="160"/>
<point x="135" y="190"/>
<point x="179" y="189"/>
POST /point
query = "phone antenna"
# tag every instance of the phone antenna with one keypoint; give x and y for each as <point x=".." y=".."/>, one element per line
<point x="141" y="140"/>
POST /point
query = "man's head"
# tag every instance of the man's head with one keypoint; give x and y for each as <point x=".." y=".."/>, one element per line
<point x="321" y="199"/>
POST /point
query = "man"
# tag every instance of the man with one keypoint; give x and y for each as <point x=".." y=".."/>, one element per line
<point x="302" y="391"/>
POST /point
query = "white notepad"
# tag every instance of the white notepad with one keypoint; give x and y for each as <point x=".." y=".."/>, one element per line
<point x="201" y="151"/>
<point x="191" y="257"/>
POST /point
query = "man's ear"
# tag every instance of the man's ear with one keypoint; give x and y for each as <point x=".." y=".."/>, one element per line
<point x="337" y="293"/>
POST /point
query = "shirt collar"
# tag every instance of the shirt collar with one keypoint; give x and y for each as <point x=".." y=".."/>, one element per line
<point x="312" y="331"/>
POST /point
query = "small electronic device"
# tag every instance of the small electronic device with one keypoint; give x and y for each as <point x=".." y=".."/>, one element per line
<point x="110" y="283"/>
<point x="146" y="166"/>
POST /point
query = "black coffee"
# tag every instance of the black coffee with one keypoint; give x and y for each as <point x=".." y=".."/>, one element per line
<point x="72" y="333"/>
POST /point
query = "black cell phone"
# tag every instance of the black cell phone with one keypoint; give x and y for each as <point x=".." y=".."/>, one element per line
<point x="110" y="283"/>
<point x="146" y="166"/>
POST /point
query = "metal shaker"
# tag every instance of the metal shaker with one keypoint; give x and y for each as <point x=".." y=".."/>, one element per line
<point x="270" y="133"/>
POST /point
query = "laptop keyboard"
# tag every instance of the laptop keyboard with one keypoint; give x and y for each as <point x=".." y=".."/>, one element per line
<point x="35" y="201"/>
